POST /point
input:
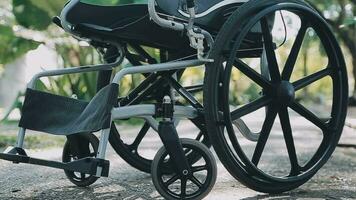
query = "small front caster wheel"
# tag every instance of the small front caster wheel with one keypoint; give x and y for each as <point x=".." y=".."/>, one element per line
<point x="89" y="148"/>
<point x="194" y="184"/>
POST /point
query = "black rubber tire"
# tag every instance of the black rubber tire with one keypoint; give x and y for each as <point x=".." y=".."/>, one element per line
<point x="235" y="166"/>
<point x="207" y="155"/>
<point x="66" y="157"/>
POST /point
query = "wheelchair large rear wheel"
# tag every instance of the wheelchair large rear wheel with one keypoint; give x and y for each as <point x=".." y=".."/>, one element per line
<point x="292" y="98"/>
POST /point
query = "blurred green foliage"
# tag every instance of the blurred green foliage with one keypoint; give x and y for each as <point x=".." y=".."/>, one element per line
<point x="341" y="15"/>
<point x="28" y="14"/>
<point x="25" y="14"/>
<point x="107" y="2"/>
<point x="36" y="15"/>
<point x="112" y="2"/>
<point x="12" y="47"/>
<point x="33" y="141"/>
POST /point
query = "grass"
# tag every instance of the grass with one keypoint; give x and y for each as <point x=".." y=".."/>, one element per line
<point x="40" y="141"/>
<point x="7" y="141"/>
<point x="33" y="141"/>
<point x="130" y="122"/>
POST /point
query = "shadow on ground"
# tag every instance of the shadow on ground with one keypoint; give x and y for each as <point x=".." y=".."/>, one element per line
<point x="309" y="194"/>
<point x="131" y="190"/>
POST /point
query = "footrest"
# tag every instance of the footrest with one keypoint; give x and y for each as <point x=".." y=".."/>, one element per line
<point x="14" y="158"/>
<point x="85" y="165"/>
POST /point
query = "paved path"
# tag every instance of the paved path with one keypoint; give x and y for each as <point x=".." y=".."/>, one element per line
<point x="336" y="180"/>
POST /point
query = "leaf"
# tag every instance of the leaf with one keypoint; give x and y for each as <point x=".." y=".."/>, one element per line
<point x="111" y="2"/>
<point x="30" y="15"/>
<point x="348" y="22"/>
<point x="13" y="47"/>
<point x="52" y="7"/>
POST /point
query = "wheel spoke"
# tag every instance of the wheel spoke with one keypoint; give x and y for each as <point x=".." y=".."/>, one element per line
<point x="140" y="136"/>
<point x="288" y="137"/>
<point x="249" y="108"/>
<point x="265" y="132"/>
<point x="186" y="151"/>
<point x="171" y="180"/>
<point x="292" y="59"/>
<point x="304" y="82"/>
<point x="196" y="181"/>
<point x="252" y="74"/>
<point x="199" y="168"/>
<point x="270" y="53"/>
<point x="183" y="188"/>
<point x="199" y="136"/>
<point x="304" y="112"/>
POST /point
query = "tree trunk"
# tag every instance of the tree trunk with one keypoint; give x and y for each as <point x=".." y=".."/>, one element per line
<point x="12" y="82"/>
<point x="354" y="73"/>
<point x="348" y="38"/>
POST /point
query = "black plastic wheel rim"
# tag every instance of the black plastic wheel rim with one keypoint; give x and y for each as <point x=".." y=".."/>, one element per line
<point x="198" y="180"/>
<point x="278" y="103"/>
<point x="132" y="150"/>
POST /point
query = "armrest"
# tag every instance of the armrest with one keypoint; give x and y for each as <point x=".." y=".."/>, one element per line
<point x="74" y="70"/>
<point x="170" y="24"/>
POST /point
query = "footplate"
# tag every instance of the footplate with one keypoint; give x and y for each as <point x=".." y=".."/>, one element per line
<point x="85" y="165"/>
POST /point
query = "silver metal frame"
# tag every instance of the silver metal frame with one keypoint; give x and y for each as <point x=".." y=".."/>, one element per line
<point x="170" y="24"/>
<point x="74" y="70"/>
<point x="104" y="139"/>
<point x="196" y="37"/>
<point x="156" y="68"/>
<point x="216" y="6"/>
<point x="239" y="123"/>
<point x="21" y="138"/>
<point x="140" y="111"/>
<point x="147" y="111"/>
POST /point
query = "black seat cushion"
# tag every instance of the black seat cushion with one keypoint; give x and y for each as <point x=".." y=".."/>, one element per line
<point x="132" y="23"/>
<point x="129" y="23"/>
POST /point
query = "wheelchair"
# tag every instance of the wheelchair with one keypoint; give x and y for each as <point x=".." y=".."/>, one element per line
<point x="225" y="36"/>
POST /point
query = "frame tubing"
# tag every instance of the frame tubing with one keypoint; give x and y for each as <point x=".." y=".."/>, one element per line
<point x="150" y="110"/>
<point x="21" y="138"/>
<point x="74" y="70"/>
<point x="104" y="139"/>
<point x="156" y="68"/>
<point x="184" y="93"/>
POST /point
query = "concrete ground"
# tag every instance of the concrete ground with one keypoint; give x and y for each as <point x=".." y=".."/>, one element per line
<point x="336" y="180"/>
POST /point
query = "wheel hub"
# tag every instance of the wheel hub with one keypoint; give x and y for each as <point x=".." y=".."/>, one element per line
<point x="285" y="93"/>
